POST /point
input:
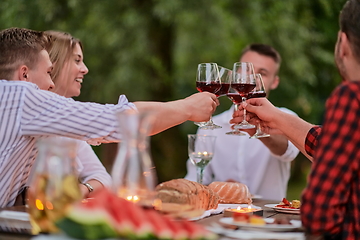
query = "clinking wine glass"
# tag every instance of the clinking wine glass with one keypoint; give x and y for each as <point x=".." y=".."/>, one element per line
<point x="201" y="150"/>
<point x="225" y="81"/>
<point x="258" y="92"/>
<point x="236" y="98"/>
<point x="207" y="79"/>
<point x="243" y="82"/>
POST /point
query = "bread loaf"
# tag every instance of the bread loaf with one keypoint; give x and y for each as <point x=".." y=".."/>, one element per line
<point x="231" y="192"/>
<point x="183" y="191"/>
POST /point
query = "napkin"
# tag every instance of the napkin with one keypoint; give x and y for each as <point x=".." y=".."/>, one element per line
<point x="13" y="221"/>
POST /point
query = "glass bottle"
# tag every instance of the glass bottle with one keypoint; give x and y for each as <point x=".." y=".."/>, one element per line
<point x="133" y="173"/>
<point x="53" y="185"/>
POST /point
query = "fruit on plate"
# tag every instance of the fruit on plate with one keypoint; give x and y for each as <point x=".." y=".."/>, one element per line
<point x="294" y="204"/>
<point x="246" y="218"/>
<point x="108" y="216"/>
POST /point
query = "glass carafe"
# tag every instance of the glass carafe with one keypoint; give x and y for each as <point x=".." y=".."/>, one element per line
<point x="53" y="186"/>
<point x="133" y="173"/>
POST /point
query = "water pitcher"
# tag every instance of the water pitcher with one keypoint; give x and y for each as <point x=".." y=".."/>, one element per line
<point x="133" y="173"/>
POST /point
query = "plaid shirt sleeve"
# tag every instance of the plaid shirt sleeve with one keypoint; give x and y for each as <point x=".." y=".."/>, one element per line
<point x="311" y="140"/>
<point x="330" y="202"/>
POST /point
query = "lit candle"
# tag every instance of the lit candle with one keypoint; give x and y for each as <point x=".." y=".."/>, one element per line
<point x="248" y="210"/>
<point x="133" y="199"/>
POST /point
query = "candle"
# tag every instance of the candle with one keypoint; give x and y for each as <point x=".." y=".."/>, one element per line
<point x="247" y="210"/>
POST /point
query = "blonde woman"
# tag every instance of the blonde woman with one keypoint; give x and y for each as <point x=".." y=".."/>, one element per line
<point x="68" y="73"/>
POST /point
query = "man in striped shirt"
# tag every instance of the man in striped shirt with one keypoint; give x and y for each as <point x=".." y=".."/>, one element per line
<point x="27" y="113"/>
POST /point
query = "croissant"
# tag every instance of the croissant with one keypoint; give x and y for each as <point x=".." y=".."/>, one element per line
<point x="231" y="192"/>
<point x="183" y="191"/>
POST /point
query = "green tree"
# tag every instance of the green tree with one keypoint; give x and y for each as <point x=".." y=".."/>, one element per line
<point x="149" y="50"/>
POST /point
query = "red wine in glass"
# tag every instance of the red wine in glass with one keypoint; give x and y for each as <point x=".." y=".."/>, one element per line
<point x="212" y="87"/>
<point x="258" y="94"/>
<point x="243" y="88"/>
<point x="235" y="97"/>
<point x="224" y="89"/>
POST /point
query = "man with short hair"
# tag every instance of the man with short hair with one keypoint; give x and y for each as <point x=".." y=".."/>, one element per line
<point x="331" y="200"/>
<point x="27" y="113"/>
<point x="262" y="164"/>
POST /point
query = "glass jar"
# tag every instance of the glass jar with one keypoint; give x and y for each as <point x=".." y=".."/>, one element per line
<point x="53" y="185"/>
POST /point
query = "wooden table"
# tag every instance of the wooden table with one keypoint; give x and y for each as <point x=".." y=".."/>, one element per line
<point x="267" y="212"/>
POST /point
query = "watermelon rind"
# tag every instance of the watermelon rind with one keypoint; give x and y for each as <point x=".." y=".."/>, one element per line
<point x="86" y="231"/>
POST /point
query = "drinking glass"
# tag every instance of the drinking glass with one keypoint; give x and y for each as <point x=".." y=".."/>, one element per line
<point x="225" y="81"/>
<point x="201" y="150"/>
<point x="235" y="97"/>
<point x="207" y="79"/>
<point x="54" y="185"/>
<point x="258" y="91"/>
<point x="244" y="82"/>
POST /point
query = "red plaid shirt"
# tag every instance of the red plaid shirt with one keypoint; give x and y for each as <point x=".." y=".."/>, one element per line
<point x="331" y="200"/>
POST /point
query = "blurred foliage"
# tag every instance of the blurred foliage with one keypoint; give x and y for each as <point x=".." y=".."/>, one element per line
<point x="149" y="50"/>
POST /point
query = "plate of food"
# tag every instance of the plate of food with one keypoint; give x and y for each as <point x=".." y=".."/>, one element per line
<point x="286" y="206"/>
<point x="263" y="224"/>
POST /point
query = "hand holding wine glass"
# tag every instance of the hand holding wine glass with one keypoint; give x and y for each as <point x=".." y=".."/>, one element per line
<point x="243" y="82"/>
<point x="258" y="92"/>
<point x="201" y="150"/>
<point x="235" y="97"/>
<point x="207" y="79"/>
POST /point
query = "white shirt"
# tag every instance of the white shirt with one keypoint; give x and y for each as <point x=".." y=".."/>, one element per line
<point x="246" y="160"/>
<point x="27" y="113"/>
<point x="88" y="165"/>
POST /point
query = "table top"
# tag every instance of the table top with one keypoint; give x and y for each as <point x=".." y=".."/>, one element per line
<point x="267" y="213"/>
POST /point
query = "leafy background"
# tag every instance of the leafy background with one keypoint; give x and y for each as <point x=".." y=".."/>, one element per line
<point x="149" y="50"/>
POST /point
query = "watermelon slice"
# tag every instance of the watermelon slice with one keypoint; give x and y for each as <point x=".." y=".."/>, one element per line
<point x="161" y="231"/>
<point x="84" y="224"/>
<point x="197" y="231"/>
<point x="178" y="231"/>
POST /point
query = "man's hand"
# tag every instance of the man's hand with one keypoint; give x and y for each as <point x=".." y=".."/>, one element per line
<point x="201" y="106"/>
<point x="259" y="109"/>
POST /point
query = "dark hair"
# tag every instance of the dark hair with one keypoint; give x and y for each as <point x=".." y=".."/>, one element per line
<point x="263" y="49"/>
<point x="349" y="21"/>
<point x="19" y="46"/>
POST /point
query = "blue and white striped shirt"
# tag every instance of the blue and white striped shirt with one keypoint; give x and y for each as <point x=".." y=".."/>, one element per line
<point x="27" y="113"/>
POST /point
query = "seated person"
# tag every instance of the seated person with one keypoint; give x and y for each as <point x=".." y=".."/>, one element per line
<point x="28" y="113"/>
<point x="262" y="164"/>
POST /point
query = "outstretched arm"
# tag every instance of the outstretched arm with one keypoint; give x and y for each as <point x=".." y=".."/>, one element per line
<point x="197" y="107"/>
<point x="276" y="121"/>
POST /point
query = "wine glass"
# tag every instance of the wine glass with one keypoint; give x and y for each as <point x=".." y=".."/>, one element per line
<point x="235" y="97"/>
<point x="201" y="150"/>
<point x="207" y="79"/>
<point x="258" y="91"/>
<point x="225" y="81"/>
<point x="243" y="82"/>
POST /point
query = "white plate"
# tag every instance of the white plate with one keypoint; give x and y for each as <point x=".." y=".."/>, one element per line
<point x="233" y="206"/>
<point x="245" y="234"/>
<point x="267" y="227"/>
<point x="283" y="210"/>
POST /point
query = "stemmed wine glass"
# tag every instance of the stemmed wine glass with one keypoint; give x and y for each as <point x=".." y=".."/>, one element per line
<point x="201" y="150"/>
<point x="225" y="81"/>
<point x="258" y="91"/>
<point x="244" y="82"/>
<point x="235" y="97"/>
<point x="207" y="79"/>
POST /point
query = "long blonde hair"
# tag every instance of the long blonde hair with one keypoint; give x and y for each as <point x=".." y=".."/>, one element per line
<point x="60" y="49"/>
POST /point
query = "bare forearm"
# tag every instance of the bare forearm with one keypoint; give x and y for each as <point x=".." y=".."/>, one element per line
<point x="295" y="129"/>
